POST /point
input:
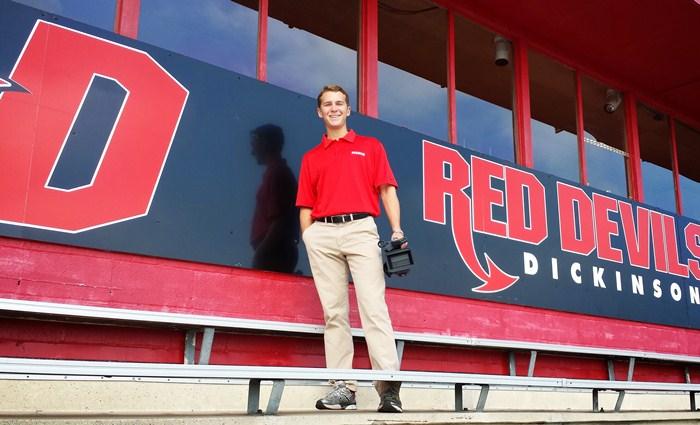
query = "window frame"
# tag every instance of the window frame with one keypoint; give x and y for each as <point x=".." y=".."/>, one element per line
<point x="126" y="23"/>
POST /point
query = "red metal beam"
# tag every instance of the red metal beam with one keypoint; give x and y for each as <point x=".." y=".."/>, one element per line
<point x="451" y="79"/>
<point x="580" y="133"/>
<point x="521" y="113"/>
<point x="674" y="165"/>
<point x="368" y="63"/>
<point x="126" y="18"/>
<point x="261" y="68"/>
<point x="634" y="161"/>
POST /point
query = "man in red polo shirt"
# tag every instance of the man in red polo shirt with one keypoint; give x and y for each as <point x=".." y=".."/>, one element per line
<point x="340" y="183"/>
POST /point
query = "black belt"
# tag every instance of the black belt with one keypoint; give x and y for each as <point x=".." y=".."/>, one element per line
<point x="342" y="218"/>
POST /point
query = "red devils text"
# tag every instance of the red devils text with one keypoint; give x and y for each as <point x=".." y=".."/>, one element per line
<point x="510" y="203"/>
<point x="588" y="223"/>
<point x="446" y="176"/>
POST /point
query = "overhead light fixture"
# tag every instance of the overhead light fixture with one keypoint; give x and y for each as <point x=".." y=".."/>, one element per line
<point x="502" y="55"/>
<point x="613" y="99"/>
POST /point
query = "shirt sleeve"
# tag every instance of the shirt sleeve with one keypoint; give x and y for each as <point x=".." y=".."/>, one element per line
<point x="382" y="170"/>
<point x="306" y="195"/>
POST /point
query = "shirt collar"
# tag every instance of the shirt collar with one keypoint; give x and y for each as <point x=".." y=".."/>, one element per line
<point x="349" y="137"/>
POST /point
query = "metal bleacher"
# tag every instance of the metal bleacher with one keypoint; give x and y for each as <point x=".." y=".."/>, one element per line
<point x="197" y="369"/>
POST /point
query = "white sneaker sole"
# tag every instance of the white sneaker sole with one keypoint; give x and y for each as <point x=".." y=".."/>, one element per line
<point x="392" y="408"/>
<point x="321" y="406"/>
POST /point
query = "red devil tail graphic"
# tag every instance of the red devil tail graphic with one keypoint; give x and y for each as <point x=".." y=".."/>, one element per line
<point x="494" y="279"/>
<point x="446" y="175"/>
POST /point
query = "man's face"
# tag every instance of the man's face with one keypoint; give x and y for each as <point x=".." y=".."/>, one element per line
<point x="334" y="110"/>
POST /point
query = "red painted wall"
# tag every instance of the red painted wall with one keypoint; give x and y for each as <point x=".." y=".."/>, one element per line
<point x="53" y="273"/>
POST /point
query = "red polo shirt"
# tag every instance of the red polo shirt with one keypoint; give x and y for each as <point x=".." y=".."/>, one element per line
<point x="344" y="176"/>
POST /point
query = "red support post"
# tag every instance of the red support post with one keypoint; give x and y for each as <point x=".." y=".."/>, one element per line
<point x="675" y="167"/>
<point x="261" y="68"/>
<point x="521" y="100"/>
<point x="580" y="133"/>
<point x="451" y="79"/>
<point x="126" y="18"/>
<point x="368" y="63"/>
<point x="634" y="161"/>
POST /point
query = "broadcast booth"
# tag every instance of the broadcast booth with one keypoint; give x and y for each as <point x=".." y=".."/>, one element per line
<point x="545" y="154"/>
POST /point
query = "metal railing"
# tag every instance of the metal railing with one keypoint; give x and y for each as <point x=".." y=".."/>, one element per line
<point x="208" y="325"/>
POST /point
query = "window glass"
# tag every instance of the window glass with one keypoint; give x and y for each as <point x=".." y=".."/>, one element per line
<point x="413" y="66"/>
<point x="220" y="32"/>
<point x="655" y="152"/>
<point x="604" y="123"/>
<point x="98" y="13"/>
<point x="484" y="92"/>
<point x="313" y="43"/>
<point x="553" y="109"/>
<point x="688" y="143"/>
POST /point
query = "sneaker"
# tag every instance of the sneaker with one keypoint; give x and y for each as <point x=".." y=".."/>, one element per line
<point x="389" y="401"/>
<point x="341" y="398"/>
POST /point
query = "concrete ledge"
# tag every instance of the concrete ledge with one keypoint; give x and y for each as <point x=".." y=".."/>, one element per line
<point x="365" y="418"/>
<point x="96" y="399"/>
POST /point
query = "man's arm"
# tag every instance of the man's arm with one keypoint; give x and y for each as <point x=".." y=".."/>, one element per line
<point x="393" y="210"/>
<point x="305" y="219"/>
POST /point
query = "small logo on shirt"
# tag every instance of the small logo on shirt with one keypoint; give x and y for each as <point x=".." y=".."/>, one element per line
<point x="358" y="153"/>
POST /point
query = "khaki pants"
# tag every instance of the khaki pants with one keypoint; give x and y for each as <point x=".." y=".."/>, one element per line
<point x="332" y="250"/>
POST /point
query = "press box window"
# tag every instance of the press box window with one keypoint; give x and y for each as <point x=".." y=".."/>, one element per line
<point x="655" y="152"/>
<point x="220" y="32"/>
<point x="604" y="137"/>
<point x="484" y="92"/>
<point x="98" y="13"/>
<point x="413" y="66"/>
<point x="313" y="43"/>
<point x="688" y="143"/>
<point x="553" y="109"/>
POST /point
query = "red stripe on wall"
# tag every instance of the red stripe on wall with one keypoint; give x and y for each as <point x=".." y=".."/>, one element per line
<point x="580" y="133"/>
<point x="521" y="98"/>
<point x="368" y="64"/>
<point x="451" y="80"/>
<point x="261" y="68"/>
<point x="634" y="162"/>
<point x="126" y="18"/>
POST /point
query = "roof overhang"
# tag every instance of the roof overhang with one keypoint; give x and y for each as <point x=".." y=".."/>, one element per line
<point x="647" y="46"/>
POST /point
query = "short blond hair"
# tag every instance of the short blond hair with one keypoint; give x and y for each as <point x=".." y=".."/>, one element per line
<point x="334" y="88"/>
